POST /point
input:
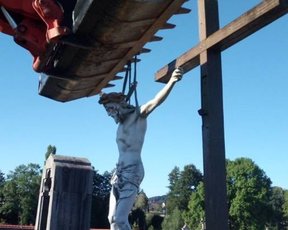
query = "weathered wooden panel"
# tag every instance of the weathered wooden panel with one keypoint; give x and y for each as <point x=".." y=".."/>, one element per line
<point x="107" y="34"/>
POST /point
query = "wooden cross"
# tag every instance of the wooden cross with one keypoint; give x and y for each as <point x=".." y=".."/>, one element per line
<point x="207" y="54"/>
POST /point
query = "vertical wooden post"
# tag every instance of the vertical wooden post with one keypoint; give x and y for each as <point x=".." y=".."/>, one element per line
<point x="216" y="211"/>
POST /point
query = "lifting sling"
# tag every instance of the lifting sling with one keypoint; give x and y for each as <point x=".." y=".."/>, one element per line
<point x="132" y="84"/>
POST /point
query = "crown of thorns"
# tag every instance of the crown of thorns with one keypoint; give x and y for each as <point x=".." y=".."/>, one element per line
<point x="111" y="97"/>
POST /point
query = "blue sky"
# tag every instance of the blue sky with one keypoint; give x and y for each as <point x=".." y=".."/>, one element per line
<point x="255" y="92"/>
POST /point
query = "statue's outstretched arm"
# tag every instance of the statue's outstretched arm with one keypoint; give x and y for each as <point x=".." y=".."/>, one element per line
<point x="147" y="108"/>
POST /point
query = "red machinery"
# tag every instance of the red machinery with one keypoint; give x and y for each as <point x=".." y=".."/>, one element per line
<point x="33" y="24"/>
<point x="80" y="46"/>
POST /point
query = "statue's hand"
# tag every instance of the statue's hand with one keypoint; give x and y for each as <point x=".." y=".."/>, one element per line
<point x="177" y="74"/>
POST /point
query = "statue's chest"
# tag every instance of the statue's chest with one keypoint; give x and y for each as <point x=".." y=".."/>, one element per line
<point x="132" y="130"/>
<point x="132" y="127"/>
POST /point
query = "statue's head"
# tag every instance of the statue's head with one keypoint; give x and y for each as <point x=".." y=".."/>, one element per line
<point x="106" y="98"/>
<point x="116" y="105"/>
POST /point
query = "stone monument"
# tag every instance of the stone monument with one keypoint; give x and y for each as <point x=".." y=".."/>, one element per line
<point x="65" y="194"/>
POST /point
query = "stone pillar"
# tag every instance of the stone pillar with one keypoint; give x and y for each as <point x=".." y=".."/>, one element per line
<point x="65" y="194"/>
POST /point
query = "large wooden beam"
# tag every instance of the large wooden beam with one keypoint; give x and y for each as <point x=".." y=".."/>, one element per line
<point x="251" y="21"/>
<point x="216" y="209"/>
<point x="170" y="10"/>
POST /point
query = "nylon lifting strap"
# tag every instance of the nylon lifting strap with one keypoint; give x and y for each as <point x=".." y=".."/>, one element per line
<point x="128" y="81"/>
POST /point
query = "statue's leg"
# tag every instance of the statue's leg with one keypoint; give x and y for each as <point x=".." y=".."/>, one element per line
<point x="127" y="195"/>
<point x="112" y="204"/>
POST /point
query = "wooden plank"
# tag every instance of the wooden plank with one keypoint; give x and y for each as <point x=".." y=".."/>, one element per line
<point x="170" y="10"/>
<point x="216" y="209"/>
<point x="106" y="36"/>
<point x="250" y="22"/>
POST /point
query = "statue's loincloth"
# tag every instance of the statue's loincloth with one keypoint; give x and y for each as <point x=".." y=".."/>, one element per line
<point x="127" y="179"/>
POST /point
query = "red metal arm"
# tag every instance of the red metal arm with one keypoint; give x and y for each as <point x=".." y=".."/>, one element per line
<point x="5" y="27"/>
<point x="52" y="14"/>
<point x="38" y="23"/>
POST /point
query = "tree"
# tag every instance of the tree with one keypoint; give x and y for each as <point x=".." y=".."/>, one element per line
<point x="173" y="221"/>
<point x="154" y="221"/>
<point x="137" y="219"/>
<point x="50" y="150"/>
<point x="195" y="215"/>
<point x="20" y="194"/>
<point x="277" y="208"/>
<point x="141" y="201"/>
<point x="10" y="208"/>
<point x="100" y="200"/>
<point x="285" y="208"/>
<point x="190" y="179"/>
<point x="182" y="184"/>
<point x="2" y="182"/>
<point x="249" y="198"/>
<point x="2" y="178"/>
<point x="173" y="178"/>
<point x="249" y="191"/>
<point x="137" y="216"/>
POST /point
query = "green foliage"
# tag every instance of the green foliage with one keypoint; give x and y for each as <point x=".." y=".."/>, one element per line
<point x="249" y="190"/>
<point x="156" y="208"/>
<point x="2" y="178"/>
<point x="195" y="214"/>
<point x="101" y="184"/>
<point x="173" y="221"/>
<point x="277" y="202"/>
<point x="252" y="205"/>
<point x="285" y="208"/>
<point x="137" y="219"/>
<point x="100" y="200"/>
<point x="50" y="150"/>
<point x="174" y="188"/>
<point x="141" y="201"/>
<point x="174" y="177"/>
<point x="2" y="182"/>
<point x="154" y="221"/>
<point x="157" y="204"/>
<point x="10" y="208"/>
<point x="182" y="184"/>
<point x="20" y="195"/>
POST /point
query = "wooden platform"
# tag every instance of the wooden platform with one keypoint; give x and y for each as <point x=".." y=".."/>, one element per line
<point x="107" y="34"/>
